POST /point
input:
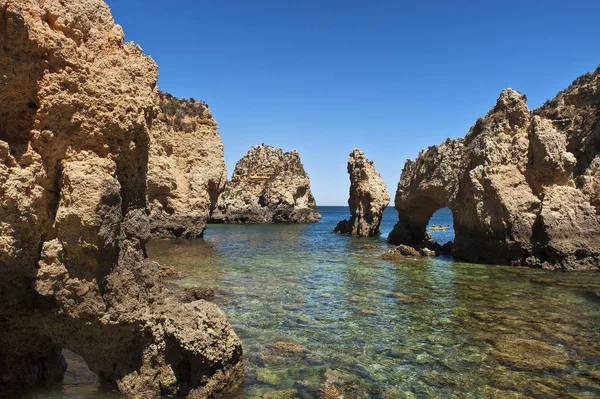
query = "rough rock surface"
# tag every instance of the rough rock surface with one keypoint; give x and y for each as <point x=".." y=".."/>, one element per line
<point x="186" y="168"/>
<point x="368" y="198"/>
<point x="523" y="186"/>
<point x="267" y="186"/>
<point x="76" y="107"/>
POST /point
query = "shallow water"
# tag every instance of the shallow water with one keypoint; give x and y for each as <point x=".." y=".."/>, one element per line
<point x="387" y="329"/>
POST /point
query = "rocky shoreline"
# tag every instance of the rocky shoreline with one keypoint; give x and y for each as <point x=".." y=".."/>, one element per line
<point x="522" y="185"/>
<point x="95" y="161"/>
<point x="78" y="108"/>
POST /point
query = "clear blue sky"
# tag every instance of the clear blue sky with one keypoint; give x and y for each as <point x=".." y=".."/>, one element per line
<point x="388" y="77"/>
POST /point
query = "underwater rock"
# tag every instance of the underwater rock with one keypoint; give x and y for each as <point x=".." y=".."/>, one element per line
<point x="368" y="198"/>
<point x="288" y="348"/>
<point x="186" y="168"/>
<point x="392" y="254"/>
<point x="267" y="186"/>
<point x="197" y="293"/>
<point x="328" y="390"/>
<point x="270" y="393"/>
<point x="168" y="271"/>
<point x="268" y="377"/>
<point x="77" y="106"/>
<point x="529" y="354"/>
<point x="522" y="185"/>
<point x="340" y="384"/>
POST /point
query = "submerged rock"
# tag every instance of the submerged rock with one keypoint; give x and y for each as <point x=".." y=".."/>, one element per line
<point x="339" y="384"/>
<point x="392" y="254"/>
<point x="368" y="198"/>
<point x="267" y="186"/>
<point x="169" y="271"/>
<point x="288" y="348"/>
<point x="328" y="390"/>
<point x="197" y="293"/>
<point x="186" y="168"/>
<point x="77" y="106"/>
<point x="522" y="185"/>
<point x="530" y="355"/>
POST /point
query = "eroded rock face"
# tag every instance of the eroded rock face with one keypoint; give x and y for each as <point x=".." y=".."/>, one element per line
<point x="186" y="168"/>
<point x="523" y="186"/>
<point x="267" y="186"/>
<point x="76" y="107"/>
<point x="368" y="198"/>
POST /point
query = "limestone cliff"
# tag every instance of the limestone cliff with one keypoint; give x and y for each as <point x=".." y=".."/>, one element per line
<point x="523" y="186"/>
<point x="186" y="168"/>
<point x="76" y="110"/>
<point x="267" y="186"/>
<point x="368" y="198"/>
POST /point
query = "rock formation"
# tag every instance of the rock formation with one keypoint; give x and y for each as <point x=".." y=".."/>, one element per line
<point x="368" y="198"/>
<point x="186" y="168"/>
<point x="523" y="186"/>
<point x="267" y="186"/>
<point x="76" y="108"/>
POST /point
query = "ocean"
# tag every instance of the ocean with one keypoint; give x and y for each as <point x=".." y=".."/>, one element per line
<point x="366" y="327"/>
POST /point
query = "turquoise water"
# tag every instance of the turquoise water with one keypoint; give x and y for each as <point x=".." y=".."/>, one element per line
<point x="323" y="315"/>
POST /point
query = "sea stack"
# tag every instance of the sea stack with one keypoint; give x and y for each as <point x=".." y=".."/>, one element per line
<point x="186" y="168"/>
<point x="523" y="186"/>
<point x="368" y="198"/>
<point x="267" y="186"/>
<point x="77" y="107"/>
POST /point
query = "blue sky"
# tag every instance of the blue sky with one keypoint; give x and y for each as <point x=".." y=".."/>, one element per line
<point x="388" y="77"/>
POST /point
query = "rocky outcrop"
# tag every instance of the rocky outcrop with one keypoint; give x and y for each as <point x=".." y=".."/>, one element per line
<point x="523" y="186"/>
<point x="186" y="168"/>
<point x="76" y="110"/>
<point x="368" y="198"/>
<point x="267" y="186"/>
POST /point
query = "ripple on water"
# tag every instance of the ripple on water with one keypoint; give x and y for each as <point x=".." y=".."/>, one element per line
<point x="323" y="315"/>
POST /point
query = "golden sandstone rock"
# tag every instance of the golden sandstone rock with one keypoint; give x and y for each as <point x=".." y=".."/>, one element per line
<point x="523" y="186"/>
<point x="77" y="107"/>
<point x="267" y="186"/>
<point x="368" y="198"/>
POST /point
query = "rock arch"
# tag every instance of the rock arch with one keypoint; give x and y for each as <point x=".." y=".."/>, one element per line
<point x="511" y="184"/>
<point x="426" y="185"/>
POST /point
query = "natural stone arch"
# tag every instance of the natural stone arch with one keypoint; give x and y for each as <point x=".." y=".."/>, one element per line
<point x="427" y="184"/>
<point x="413" y="219"/>
<point x="511" y="185"/>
